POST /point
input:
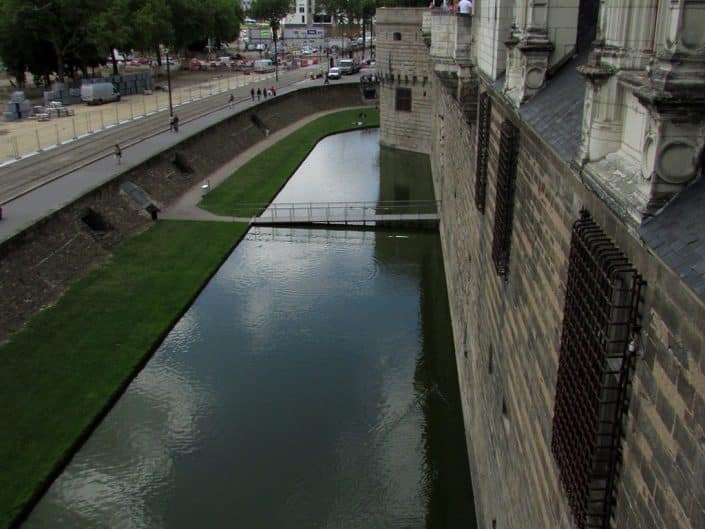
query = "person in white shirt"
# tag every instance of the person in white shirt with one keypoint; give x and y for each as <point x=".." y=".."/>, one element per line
<point x="465" y="7"/>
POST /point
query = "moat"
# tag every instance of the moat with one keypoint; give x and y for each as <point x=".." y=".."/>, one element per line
<point x="312" y="384"/>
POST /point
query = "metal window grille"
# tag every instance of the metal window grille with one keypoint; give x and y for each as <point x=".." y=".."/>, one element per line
<point x="403" y="99"/>
<point x="504" y="201"/>
<point x="483" y="151"/>
<point x="600" y="322"/>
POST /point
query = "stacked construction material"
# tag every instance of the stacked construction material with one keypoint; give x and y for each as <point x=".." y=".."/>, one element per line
<point x="18" y="107"/>
<point x="68" y="95"/>
<point x="128" y="83"/>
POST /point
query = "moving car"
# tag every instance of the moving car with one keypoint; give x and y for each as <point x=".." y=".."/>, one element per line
<point x="334" y="73"/>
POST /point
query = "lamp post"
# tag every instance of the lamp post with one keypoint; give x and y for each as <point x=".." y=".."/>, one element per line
<point x="168" y="82"/>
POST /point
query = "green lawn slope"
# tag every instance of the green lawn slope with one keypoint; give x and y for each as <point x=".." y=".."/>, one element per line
<point x="259" y="180"/>
<point x="59" y="373"/>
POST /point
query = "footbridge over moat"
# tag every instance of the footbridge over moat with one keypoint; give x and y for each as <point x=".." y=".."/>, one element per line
<point x="399" y="213"/>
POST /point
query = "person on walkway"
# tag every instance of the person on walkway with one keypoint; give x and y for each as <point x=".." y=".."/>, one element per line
<point x="118" y="154"/>
<point x="325" y="78"/>
<point x="231" y="101"/>
<point x="175" y="123"/>
<point x="252" y="93"/>
<point x="465" y="7"/>
<point x="264" y="92"/>
<point x="259" y="94"/>
<point x="274" y="92"/>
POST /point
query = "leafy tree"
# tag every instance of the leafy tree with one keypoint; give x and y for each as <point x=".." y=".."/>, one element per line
<point x="368" y="8"/>
<point x="152" y="25"/>
<point x="109" y="30"/>
<point x="225" y="27"/>
<point x="272" y="11"/>
<point x="63" y="23"/>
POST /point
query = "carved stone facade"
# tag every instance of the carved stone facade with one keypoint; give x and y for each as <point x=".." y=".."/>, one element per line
<point x="597" y="154"/>
<point x="645" y="103"/>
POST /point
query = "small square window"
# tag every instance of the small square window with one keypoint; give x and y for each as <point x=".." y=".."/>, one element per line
<point x="403" y="100"/>
<point x="302" y="9"/>
<point x="397" y="35"/>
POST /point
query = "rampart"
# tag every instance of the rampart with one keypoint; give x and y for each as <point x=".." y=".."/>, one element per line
<point x="509" y="240"/>
<point x="508" y="333"/>
<point x="37" y="265"/>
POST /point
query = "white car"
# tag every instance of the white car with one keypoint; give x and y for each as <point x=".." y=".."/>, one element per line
<point x="334" y="73"/>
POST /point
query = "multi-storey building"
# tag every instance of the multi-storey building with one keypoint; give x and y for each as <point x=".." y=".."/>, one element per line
<point x="566" y="141"/>
<point x="304" y="13"/>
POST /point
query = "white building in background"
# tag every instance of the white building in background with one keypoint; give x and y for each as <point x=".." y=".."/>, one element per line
<point x="302" y="14"/>
<point x="246" y="5"/>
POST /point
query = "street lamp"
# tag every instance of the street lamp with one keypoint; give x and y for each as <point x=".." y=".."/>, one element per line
<point x="168" y="82"/>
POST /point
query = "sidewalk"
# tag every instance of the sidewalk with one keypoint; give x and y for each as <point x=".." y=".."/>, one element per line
<point x="24" y="211"/>
<point x="186" y="207"/>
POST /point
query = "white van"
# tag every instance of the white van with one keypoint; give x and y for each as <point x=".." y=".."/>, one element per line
<point x="98" y="93"/>
<point x="264" y="65"/>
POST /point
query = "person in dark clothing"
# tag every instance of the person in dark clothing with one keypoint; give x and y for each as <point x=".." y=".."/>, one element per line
<point x="118" y="154"/>
<point x="259" y="94"/>
<point x="252" y="93"/>
<point x="175" y="123"/>
<point x="231" y="101"/>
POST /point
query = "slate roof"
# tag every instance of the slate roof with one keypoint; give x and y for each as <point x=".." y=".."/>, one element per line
<point x="556" y="112"/>
<point x="677" y="236"/>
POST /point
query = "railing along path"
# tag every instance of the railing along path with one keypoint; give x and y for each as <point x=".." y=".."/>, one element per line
<point x="343" y="213"/>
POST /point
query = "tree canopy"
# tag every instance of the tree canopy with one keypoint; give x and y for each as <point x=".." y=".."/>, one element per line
<point x="64" y="36"/>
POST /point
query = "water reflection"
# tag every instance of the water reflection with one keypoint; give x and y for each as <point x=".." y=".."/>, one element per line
<point x="311" y="385"/>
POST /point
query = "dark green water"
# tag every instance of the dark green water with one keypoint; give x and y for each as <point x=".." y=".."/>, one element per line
<point x="311" y="385"/>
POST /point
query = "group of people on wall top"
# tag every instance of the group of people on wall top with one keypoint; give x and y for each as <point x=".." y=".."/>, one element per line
<point x="464" y="7"/>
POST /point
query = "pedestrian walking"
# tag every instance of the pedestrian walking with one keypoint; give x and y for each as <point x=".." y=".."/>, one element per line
<point x="231" y="101"/>
<point x="118" y="154"/>
<point x="264" y="92"/>
<point x="175" y="123"/>
<point x="259" y="93"/>
<point x="252" y="93"/>
<point x="274" y="92"/>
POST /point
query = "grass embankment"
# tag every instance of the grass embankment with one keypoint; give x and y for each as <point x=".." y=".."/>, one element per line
<point x="259" y="180"/>
<point x="58" y="374"/>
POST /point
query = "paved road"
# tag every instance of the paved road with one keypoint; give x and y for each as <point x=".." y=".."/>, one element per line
<point x="27" y="174"/>
<point x="60" y="176"/>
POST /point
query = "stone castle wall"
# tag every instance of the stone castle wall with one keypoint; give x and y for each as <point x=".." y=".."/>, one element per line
<point x="37" y="265"/>
<point x="507" y="337"/>
<point x="403" y="64"/>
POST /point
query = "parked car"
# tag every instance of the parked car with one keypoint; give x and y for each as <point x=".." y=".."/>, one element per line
<point x="334" y="73"/>
<point x="198" y="64"/>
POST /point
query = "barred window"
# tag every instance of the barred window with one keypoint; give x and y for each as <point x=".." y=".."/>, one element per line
<point x="483" y="140"/>
<point x="504" y="201"/>
<point x="600" y="320"/>
<point x="403" y="99"/>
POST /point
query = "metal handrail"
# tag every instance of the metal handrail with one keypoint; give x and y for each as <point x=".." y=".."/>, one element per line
<point x="355" y="211"/>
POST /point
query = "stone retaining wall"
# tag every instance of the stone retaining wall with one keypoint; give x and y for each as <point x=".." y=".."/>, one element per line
<point x="37" y="265"/>
<point x="507" y="337"/>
